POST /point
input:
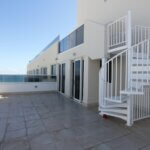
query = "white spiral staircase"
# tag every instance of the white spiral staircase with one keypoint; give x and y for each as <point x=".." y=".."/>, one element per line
<point x="126" y="75"/>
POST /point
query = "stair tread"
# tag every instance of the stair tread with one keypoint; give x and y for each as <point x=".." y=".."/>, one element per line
<point x="121" y="105"/>
<point x="131" y="92"/>
<point x="115" y="110"/>
<point x="116" y="99"/>
<point x="124" y="117"/>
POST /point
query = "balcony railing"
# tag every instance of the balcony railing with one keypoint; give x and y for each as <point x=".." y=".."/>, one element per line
<point x="72" y="40"/>
<point x="26" y="78"/>
<point x="117" y="33"/>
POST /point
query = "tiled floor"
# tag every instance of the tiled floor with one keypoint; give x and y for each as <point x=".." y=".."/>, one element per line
<point x="52" y="122"/>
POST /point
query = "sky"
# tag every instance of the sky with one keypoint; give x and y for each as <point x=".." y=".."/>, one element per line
<point x="28" y="26"/>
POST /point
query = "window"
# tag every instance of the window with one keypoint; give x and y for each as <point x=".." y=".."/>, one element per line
<point x="61" y="48"/>
<point x="37" y="71"/>
<point x="72" y="40"/>
<point x="109" y="72"/>
<point x="80" y="35"/>
<point x="65" y="44"/>
<point x="33" y="72"/>
<point x="45" y="71"/>
<point x="53" y="70"/>
<point x="41" y="71"/>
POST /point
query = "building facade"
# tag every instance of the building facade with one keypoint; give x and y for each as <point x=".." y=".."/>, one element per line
<point x="86" y="61"/>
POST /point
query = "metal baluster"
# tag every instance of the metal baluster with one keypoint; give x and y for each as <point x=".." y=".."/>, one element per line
<point x="137" y="66"/>
<point x="126" y="80"/>
<point x="116" y="80"/>
<point x="120" y="74"/>
<point x="112" y="79"/>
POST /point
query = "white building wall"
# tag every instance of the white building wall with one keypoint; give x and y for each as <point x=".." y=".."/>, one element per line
<point x="104" y="11"/>
<point x="94" y="14"/>
<point x="45" y="59"/>
<point x="91" y="82"/>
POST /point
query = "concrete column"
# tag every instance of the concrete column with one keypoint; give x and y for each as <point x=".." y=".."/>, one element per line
<point x="102" y="77"/>
<point x="68" y="78"/>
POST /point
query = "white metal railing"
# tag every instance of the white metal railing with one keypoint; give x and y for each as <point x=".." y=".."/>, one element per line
<point x="141" y="105"/>
<point x="140" y="70"/>
<point x="117" y="33"/>
<point x="119" y="76"/>
<point x="115" y="76"/>
<point x="127" y="74"/>
<point x="139" y="34"/>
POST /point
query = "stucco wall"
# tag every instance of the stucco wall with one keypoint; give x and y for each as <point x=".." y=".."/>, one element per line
<point x="46" y="59"/>
<point x="93" y="82"/>
<point x="90" y="51"/>
<point x="93" y="46"/>
<point x="104" y="11"/>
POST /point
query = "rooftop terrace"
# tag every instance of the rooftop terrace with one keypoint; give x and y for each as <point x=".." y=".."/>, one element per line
<point x="49" y="121"/>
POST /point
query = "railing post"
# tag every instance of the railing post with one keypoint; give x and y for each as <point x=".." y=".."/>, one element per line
<point x="130" y="111"/>
<point x="129" y="34"/>
<point x="130" y="101"/>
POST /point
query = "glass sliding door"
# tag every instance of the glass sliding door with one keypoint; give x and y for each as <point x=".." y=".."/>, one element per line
<point x="73" y="79"/>
<point x="63" y="78"/>
<point x="77" y="79"/>
<point x="82" y="83"/>
<point x="59" y="77"/>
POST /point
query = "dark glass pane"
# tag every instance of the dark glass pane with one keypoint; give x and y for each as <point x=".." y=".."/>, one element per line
<point x="73" y="39"/>
<point x="65" y="44"/>
<point x="62" y="46"/>
<point x="77" y="79"/>
<point x="68" y="42"/>
<point x="63" y="78"/>
<point x="45" y="71"/>
<point x="37" y="71"/>
<point x="80" y="35"/>
<point x="59" y="77"/>
<point x="41" y="71"/>
<point x="82" y="78"/>
<point x="73" y="79"/>
<point x="53" y="70"/>
<point x="109" y="69"/>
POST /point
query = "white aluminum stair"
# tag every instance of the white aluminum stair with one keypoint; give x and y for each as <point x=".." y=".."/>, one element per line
<point x="124" y="117"/>
<point x="127" y="72"/>
<point x="116" y="99"/>
<point x="114" y="105"/>
<point x="115" y="110"/>
<point x="132" y="92"/>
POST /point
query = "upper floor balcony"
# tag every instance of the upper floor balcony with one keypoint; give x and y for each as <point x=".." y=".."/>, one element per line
<point x="72" y="40"/>
<point x="123" y="33"/>
<point x="86" y="40"/>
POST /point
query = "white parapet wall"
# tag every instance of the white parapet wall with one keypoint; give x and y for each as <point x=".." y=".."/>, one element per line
<point x="27" y="87"/>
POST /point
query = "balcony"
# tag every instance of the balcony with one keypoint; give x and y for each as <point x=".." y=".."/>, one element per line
<point x="72" y="40"/>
